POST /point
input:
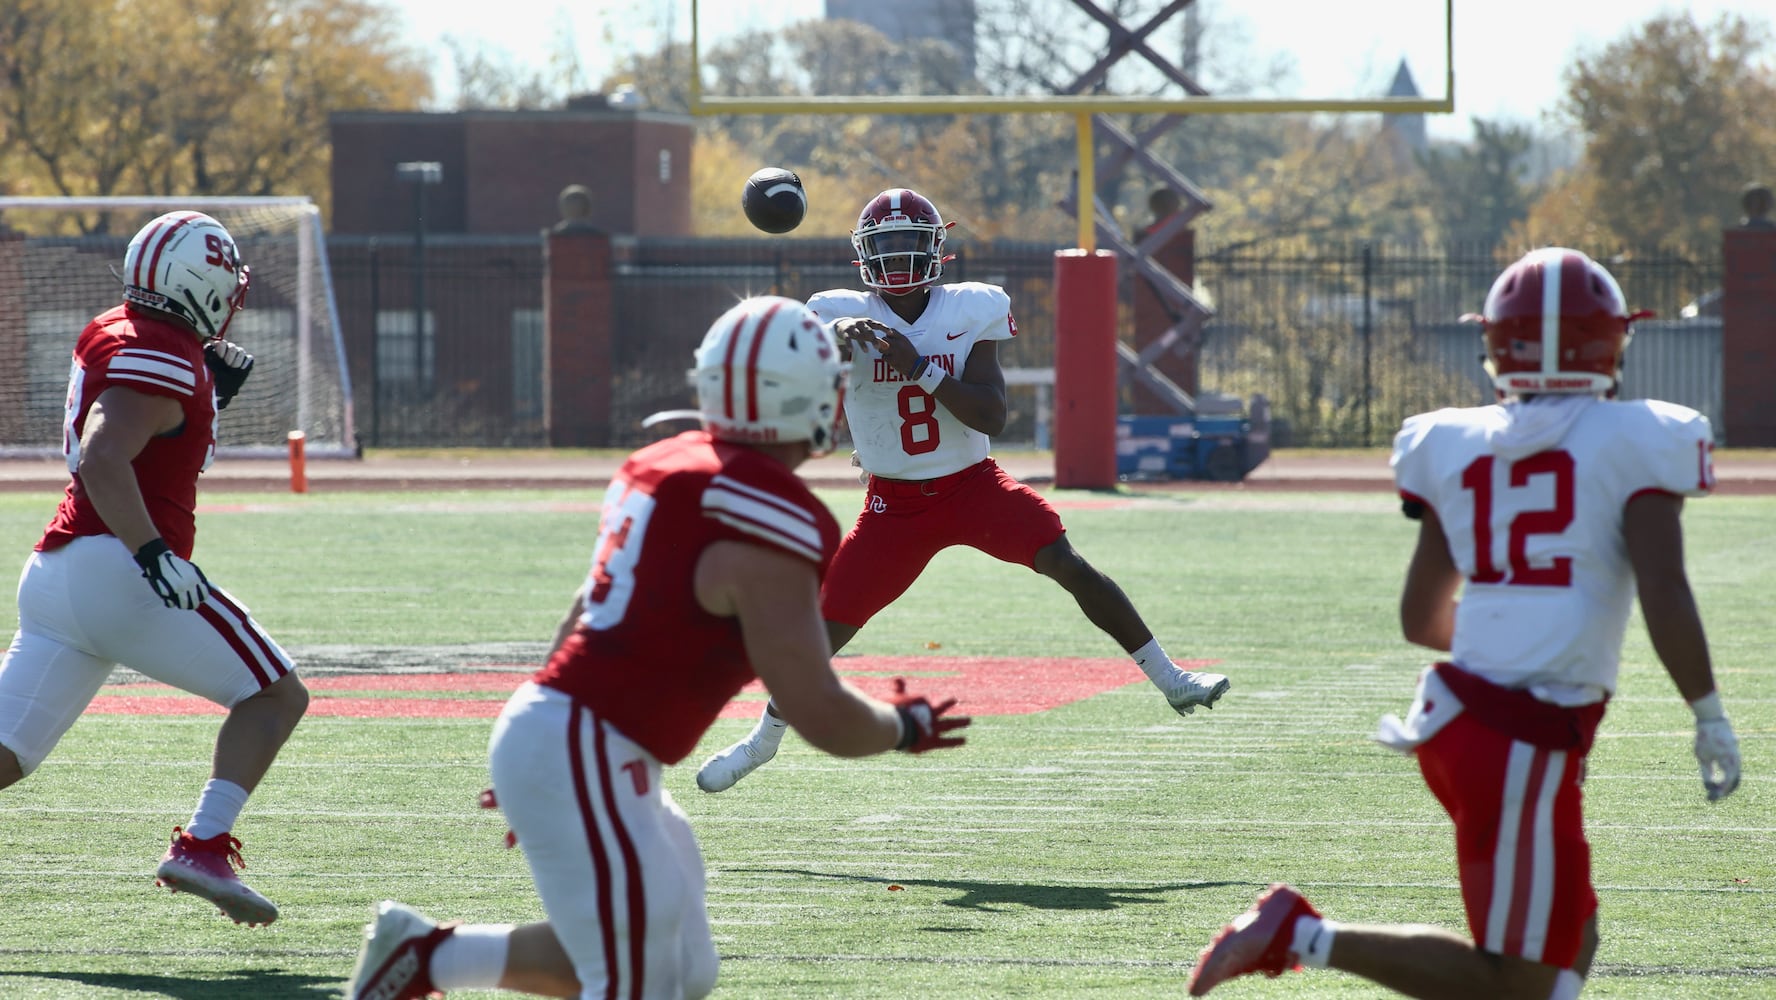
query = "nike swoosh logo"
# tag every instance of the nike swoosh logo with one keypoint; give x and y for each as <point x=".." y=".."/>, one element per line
<point x="953" y="336"/>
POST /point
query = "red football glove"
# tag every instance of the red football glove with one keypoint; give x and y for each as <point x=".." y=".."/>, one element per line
<point x="923" y="726"/>
<point x="487" y="801"/>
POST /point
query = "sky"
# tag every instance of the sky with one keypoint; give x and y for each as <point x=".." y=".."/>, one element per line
<point x="1509" y="54"/>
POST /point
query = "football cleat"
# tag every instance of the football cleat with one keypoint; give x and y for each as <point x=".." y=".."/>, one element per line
<point x="1258" y="940"/>
<point x="206" y="868"/>
<point x="396" y="960"/>
<point x="724" y="770"/>
<point x="1191" y="688"/>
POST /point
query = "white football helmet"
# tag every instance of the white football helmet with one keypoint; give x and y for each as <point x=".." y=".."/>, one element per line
<point x="768" y="371"/>
<point x="186" y="264"/>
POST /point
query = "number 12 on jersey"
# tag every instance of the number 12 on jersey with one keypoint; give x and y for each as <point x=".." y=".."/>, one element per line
<point x="1552" y="520"/>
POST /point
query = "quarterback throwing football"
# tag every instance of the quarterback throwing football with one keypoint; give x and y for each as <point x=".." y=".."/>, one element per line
<point x="925" y="396"/>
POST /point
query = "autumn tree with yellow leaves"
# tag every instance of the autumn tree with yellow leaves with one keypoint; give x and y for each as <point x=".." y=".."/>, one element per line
<point x="198" y="97"/>
<point x="1676" y="117"/>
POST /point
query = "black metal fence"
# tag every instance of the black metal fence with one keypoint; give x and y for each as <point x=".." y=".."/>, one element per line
<point x="1345" y="340"/>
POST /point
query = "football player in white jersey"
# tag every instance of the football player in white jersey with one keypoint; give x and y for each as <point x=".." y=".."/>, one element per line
<point x="925" y="396"/>
<point x="1548" y="512"/>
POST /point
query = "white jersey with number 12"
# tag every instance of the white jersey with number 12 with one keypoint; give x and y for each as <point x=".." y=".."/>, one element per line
<point x="1531" y="499"/>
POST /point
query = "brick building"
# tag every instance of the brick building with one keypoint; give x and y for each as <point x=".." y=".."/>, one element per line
<point x="504" y="170"/>
<point x="446" y="340"/>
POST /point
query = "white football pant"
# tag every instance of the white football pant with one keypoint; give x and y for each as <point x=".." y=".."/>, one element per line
<point x="83" y="609"/>
<point x="613" y="856"/>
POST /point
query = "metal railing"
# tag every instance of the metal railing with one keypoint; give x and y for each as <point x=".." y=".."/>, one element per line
<point x="1345" y="340"/>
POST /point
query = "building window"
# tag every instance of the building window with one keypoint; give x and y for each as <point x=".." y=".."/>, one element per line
<point x="527" y="364"/>
<point x="399" y="359"/>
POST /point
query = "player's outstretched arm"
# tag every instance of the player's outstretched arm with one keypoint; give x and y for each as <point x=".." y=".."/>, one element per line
<point x="776" y="597"/>
<point x="1653" y="533"/>
<point x="1427" y="602"/>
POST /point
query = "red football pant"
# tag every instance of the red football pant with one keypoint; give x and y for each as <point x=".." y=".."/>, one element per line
<point x="905" y="523"/>
<point x="1519" y="839"/>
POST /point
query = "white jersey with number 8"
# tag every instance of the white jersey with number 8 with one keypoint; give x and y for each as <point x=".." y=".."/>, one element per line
<point x="1531" y="497"/>
<point x="898" y="429"/>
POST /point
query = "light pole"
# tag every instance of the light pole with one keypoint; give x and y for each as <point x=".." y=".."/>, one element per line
<point x="421" y="174"/>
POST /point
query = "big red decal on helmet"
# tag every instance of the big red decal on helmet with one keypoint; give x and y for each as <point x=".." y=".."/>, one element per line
<point x="160" y="247"/>
<point x="752" y="360"/>
<point x="728" y="368"/>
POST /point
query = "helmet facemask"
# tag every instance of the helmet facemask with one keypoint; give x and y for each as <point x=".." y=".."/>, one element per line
<point x="899" y="242"/>
<point x="900" y="257"/>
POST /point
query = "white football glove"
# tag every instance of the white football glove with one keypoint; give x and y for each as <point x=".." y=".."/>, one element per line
<point x="177" y="582"/>
<point x="1717" y="747"/>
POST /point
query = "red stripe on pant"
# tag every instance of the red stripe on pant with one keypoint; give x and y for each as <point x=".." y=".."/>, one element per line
<point x="631" y="870"/>
<point x="231" y="635"/>
<point x="1523" y="879"/>
<point x="601" y="866"/>
<point x="245" y="626"/>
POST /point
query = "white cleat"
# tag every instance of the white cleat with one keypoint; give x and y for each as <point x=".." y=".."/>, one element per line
<point x="1191" y="688"/>
<point x="724" y="770"/>
<point x="395" y="961"/>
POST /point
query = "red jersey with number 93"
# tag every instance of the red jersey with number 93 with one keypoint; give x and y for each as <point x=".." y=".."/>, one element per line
<point x="646" y="656"/>
<point x="1531" y="497"/>
<point x="127" y="349"/>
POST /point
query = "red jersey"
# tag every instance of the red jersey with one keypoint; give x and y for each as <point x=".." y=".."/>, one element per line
<point x="127" y="348"/>
<point x="646" y="656"/>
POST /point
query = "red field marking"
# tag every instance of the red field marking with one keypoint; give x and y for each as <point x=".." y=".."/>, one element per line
<point x="981" y="685"/>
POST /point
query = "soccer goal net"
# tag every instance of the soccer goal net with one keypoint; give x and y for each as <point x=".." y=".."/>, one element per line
<point x="57" y="258"/>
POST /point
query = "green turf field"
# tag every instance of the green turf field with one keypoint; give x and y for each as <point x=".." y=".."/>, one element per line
<point x="1087" y="851"/>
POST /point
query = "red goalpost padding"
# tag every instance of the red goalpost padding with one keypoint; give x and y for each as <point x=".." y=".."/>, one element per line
<point x="1085" y="369"/>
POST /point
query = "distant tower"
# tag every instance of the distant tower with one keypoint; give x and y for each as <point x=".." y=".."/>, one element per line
<point x="1411" y="127"/>
<point x="949" y="21"/>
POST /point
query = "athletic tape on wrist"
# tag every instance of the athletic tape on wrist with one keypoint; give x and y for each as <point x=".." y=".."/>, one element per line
<point x="929" y="378"/>
<point x="1708" y="707"/>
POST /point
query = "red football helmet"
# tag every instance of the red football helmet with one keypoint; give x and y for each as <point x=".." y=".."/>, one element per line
<point x="1555" y="321"/>
<point x="899" y="242"/>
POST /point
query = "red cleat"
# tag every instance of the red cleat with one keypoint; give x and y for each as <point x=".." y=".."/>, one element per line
<point x="206" y="868"/>
<point x="1258" y="940"/>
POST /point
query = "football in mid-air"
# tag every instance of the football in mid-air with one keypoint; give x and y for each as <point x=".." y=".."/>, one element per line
<point x="774" y="200"/>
